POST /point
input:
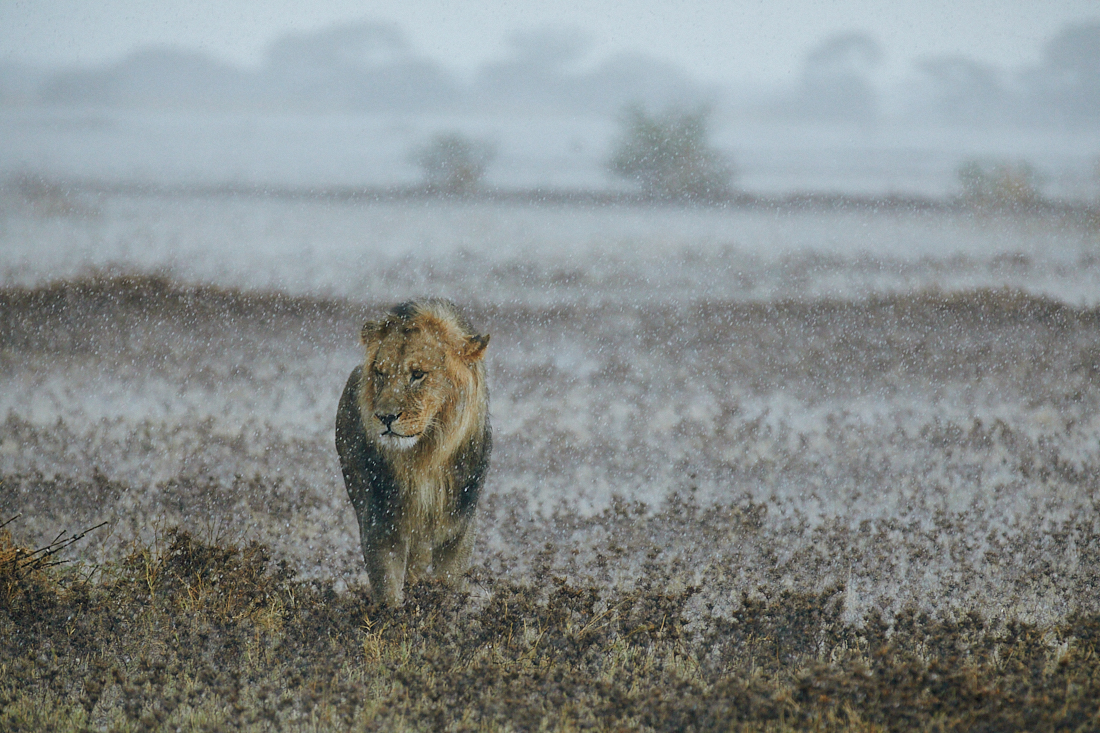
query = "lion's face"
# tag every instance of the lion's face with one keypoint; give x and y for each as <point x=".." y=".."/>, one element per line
<point x="415" y="373"/>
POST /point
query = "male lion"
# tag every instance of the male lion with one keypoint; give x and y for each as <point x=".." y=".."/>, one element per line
<point x="413" y="435"/>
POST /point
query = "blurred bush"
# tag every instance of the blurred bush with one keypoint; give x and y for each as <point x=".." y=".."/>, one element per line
<point x="669" y="155"/>
<point x="453" y="163"/>
<point x="998" y="182"/>
<point x="31" y="193"/>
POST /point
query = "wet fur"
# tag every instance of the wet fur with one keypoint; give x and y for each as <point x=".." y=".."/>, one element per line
<point x="416" y="506"/>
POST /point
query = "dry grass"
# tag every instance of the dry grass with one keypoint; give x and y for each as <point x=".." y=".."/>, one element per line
<point x="191" y="636"/>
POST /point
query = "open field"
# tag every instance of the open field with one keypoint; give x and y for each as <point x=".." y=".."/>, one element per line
<point x="772" y="156"/>
<point x="750" y="470"/>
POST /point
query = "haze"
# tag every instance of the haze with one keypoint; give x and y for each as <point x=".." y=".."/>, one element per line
<point x="717" y="41"/>
<point x="852" y="98"/>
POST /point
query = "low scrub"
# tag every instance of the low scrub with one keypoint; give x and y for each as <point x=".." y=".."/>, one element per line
<point x="186" y="635"/>
<point x="670" y="156"/>
<point x="999" y="183"/>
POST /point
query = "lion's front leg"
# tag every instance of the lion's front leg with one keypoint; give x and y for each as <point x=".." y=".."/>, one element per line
<point x="420" y="554"/>
<point x="450" y="560"/>
<point x="385" y="559"/>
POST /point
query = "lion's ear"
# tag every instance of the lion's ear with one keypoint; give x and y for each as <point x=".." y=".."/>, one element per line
<point x="475" y="348"/>
<point x="369" y="332"/>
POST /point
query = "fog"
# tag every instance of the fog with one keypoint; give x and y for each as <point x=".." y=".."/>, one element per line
<point x="347" y="103"/>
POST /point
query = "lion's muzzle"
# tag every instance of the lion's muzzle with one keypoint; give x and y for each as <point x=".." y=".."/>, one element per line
<point x="393" y="441"/>
<point x="391" y="438"/>
<point x="387" y="420"/>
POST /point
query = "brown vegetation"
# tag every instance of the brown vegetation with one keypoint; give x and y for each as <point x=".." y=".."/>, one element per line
<point x="880" y="514"/>
<point x="191" y="636"/>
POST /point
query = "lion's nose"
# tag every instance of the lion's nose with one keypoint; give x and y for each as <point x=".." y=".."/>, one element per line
<point x="386" y="420"/>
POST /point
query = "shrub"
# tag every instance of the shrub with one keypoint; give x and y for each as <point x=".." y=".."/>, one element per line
<point x="453" y="163"/>
<point x="998" y="182"/>
<point x="669" y="155"/>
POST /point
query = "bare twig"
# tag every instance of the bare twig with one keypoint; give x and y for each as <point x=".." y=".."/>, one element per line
<point x="37" y="559"/>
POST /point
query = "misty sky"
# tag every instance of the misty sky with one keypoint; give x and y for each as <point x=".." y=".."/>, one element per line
<point x="759" y="41"/>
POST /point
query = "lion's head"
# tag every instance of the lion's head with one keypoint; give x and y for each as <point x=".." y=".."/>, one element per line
<point x="423" y="379"/>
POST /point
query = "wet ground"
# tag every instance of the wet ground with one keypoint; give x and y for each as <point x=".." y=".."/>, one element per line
<point x="797" y="487"/>
<point x="928" y="450"/>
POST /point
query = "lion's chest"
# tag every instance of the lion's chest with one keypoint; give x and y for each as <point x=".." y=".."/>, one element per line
<point x="426" y="506"/>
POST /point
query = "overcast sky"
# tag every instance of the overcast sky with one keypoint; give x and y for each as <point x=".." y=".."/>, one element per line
<point x="743" y="40"/>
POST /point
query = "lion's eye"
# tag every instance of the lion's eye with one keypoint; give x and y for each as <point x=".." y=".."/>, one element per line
<point x="417" y="375"/>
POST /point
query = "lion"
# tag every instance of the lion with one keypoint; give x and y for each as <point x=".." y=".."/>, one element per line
<point x="413" y="435"/>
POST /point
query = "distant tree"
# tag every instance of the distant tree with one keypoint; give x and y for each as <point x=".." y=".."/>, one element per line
<point x="360" y="66"/>
<point x="998" y="182"/>
<point x="962" y="90"/>
<point x="537" y="74"/>
<point x="669" y="155"/>
<point x="157" y="77"/>
<point x="1068" y="81"/>
<point x="836" y="82"/>
<point x="550" y="69"/>
<point x="453" y="163"/>
<point x="1076" y="51"/>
